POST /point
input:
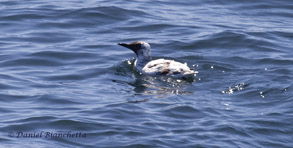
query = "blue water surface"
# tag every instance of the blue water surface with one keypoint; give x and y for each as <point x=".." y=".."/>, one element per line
<point x="64" y="81"/>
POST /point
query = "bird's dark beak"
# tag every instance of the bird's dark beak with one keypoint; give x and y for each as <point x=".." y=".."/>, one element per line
<point x="133" y="47"/>
<point x="124" y="45"/>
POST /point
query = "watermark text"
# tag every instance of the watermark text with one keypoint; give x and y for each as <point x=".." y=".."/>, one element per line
<point x="47" y="134"/>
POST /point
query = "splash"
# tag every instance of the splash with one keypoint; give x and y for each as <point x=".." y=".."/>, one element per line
<point x="238" y="87"/>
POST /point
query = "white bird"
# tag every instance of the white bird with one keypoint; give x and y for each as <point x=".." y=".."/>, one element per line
<point x="146" y="65"/>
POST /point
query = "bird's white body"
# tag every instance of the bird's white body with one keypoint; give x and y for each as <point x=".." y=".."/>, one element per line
<point x="146" y="65"/>
<point x="166" y="67"/>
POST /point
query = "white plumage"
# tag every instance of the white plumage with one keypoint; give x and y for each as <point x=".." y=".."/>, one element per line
<point x="146" y="65"/>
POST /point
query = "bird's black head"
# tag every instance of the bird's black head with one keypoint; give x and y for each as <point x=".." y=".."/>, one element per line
<point x="135" y="46"/>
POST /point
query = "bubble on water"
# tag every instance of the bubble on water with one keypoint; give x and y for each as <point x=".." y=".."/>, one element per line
<point x="238" y="87"/>
<point x="262" y="94"/>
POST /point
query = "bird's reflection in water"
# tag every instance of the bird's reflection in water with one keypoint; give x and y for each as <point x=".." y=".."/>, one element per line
<point x="160" y="86"/>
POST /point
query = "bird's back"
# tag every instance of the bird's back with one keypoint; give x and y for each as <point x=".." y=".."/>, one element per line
<point x="167" y="67"/>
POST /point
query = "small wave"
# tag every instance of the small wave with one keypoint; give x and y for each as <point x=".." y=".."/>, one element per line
<point x="58" y="101"/>
<point x="21" y="17"/>
<point x="273" y="61"/>
<point x="150" y="27"/>
<point x="30" y="62"/>
<point x="105" y="13"/>
<point x="58" y="55"/>
<point x="183" y="112"/>
<point x="74" y="75"/>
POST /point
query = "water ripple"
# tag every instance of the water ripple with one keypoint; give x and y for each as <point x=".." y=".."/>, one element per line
<point x="62" y="71"/>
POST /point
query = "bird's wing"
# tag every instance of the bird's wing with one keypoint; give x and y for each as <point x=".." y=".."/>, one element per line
<point x="167" y="67"/>
<point x="159" y="66"/>
<point x="180" y="68"/>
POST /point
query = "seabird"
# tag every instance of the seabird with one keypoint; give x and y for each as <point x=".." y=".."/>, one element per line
<point x="145" y="65"/>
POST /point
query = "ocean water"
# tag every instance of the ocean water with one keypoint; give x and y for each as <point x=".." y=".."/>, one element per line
<point x="64" y="81"/>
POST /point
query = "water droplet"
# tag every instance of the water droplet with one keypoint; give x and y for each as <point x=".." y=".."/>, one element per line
<point x="230" y="91"/>
<point x="262" y="94"/>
